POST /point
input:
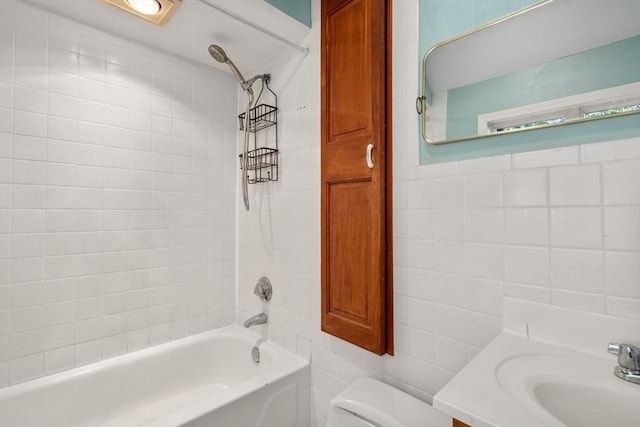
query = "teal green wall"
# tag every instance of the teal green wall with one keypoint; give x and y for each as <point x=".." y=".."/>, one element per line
<point x="443" y="19"/>
<point x="607" y="66"/>
<point x="300" y="10"/>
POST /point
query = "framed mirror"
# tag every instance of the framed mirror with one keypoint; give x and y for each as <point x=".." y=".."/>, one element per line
<point x="553" y="63"/>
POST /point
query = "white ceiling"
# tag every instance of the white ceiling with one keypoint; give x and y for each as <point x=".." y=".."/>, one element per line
<point x="194" y="26"/>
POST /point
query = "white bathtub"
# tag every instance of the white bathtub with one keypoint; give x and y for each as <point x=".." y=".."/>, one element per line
<point x="204" y="380"/>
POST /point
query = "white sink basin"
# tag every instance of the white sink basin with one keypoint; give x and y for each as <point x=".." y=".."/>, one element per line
<point x="577" y="390"/>
<point x="576" y="405"/>
<point x="549" y="367"/>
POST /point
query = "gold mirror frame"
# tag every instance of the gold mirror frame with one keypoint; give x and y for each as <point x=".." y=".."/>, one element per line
<point x="422" y="106"/>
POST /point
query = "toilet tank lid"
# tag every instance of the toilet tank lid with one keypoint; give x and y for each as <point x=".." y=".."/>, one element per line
<point x="386" y="406"/>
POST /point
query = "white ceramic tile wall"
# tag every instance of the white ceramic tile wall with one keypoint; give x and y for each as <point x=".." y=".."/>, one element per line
<point x="117" y="177"/>
<point x="557" y="226"/>
<point x="96" y="165"/>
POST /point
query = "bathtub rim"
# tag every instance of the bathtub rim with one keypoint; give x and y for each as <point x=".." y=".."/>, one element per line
<point x="297" y="362"/>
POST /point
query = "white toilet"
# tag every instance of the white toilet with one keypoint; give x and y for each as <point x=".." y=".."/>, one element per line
<point x="371" y="403"/>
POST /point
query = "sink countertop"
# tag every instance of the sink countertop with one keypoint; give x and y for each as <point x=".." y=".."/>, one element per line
<point x="475" y="397"/>
<point x="555" y="344"/>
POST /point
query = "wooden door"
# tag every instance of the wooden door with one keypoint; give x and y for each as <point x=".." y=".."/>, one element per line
<point x="355" y="285"/>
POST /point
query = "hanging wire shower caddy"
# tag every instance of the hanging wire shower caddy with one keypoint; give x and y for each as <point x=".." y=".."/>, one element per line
<point x="262" y="161"/>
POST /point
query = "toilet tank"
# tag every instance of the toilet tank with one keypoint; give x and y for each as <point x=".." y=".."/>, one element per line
<point x="371" y="403"/>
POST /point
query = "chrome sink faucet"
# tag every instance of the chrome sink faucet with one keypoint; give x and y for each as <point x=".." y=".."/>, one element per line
<point x="628" y="361"/>
<point x="258" y="319"/>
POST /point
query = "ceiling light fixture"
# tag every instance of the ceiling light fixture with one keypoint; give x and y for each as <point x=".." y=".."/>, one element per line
<point x="156" y="11"/>
<point x="146" y="7"/>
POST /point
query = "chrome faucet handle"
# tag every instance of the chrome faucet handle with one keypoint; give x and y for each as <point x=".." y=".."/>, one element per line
<point x="263" y="289"/>
<point x="628" y="356"/>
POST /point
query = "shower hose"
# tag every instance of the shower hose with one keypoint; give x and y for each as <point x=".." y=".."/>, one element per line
<point x="245" y="153"/>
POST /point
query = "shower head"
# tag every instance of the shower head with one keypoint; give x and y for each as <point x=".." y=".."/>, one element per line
<point x="219" y="55"/>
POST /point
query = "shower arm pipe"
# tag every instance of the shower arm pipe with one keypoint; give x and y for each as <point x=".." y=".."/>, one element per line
<point x="303" y="50"/>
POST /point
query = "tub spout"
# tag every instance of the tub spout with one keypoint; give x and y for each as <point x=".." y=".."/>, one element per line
<point x="258" y="319"/>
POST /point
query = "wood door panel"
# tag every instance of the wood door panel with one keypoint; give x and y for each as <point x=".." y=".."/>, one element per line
<point x="354" y="197"/>
<point x="350" y="259"/>
<point x="348" y="81"/>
